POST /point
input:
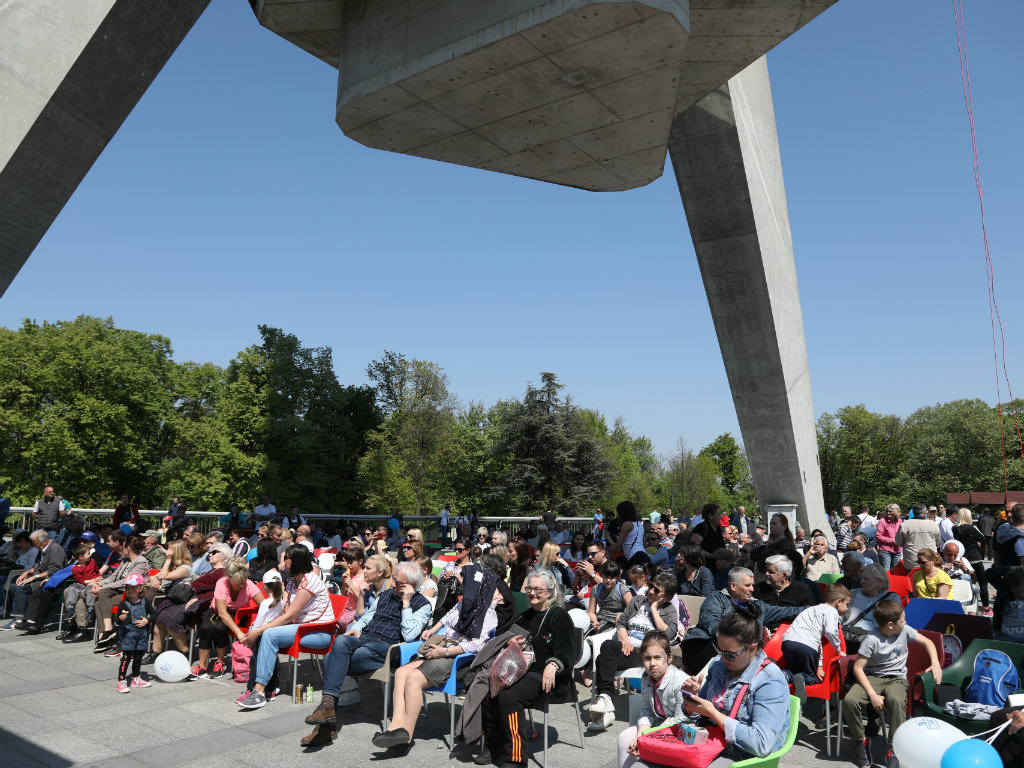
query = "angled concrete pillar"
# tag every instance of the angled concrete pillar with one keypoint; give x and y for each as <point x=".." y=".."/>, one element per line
<point x="70" y="72"/>
<point x="725" y="153"/>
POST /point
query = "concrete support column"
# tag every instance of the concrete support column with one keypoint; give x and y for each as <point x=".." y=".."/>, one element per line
<point x="725" y="152"/>
<point x="70" y="72"/>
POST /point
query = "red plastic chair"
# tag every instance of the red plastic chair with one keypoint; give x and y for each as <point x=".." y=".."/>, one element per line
<point x="773" y="648"/>
<point x="902" y="586"/>
<point x="330" y="627"/>
<point x="898" y="570"/>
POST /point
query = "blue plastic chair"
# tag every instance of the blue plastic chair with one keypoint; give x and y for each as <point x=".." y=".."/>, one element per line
<point x="919" y="610"/>
<point x="450" y="687"/>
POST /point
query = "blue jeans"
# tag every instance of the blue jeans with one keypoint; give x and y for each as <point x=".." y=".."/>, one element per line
<point x="889" y="560"/>
<point x="352" y="656"/>
<point x="276" y="638"/>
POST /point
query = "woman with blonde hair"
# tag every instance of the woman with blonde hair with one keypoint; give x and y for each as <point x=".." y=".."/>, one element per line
<point x="170" y="615"/>
<point x="550" y="557"/>
<point x="973" y="541"/>
<point x="232" y="591"/>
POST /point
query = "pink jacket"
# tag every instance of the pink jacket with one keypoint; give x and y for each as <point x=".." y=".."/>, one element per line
<point x="885" y="535"/>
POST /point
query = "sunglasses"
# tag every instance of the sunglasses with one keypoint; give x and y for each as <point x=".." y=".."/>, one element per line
<point x="591" y="554"/>
<point x="729" y="655"/>
<point x="408" y="546"/>
<point x="460" y="549"/>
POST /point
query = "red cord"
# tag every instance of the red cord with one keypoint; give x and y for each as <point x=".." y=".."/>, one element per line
<point x="993" y="305"/>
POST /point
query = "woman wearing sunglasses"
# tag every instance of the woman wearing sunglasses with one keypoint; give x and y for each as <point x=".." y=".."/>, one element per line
<point x="930" y="580"/>
<point x="759" y="724"/>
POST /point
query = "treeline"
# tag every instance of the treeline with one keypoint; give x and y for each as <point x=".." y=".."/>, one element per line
<point x="870" y="458"/>
<point x="96" y="410"/>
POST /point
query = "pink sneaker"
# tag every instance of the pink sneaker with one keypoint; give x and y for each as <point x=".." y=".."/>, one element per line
<point x="239" y="699"/>
<point x="138" y="682"/>
<point x="123" y="686"/>
<point x="217" y="671"/>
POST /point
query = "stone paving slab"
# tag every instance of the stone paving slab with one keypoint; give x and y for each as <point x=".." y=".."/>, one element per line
<point x="59" y="708"/>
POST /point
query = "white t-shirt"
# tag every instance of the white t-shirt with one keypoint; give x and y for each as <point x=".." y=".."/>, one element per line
<point x="319" y="606"/>
<point x="267" y="612"/>
<point x="265" y="511"/>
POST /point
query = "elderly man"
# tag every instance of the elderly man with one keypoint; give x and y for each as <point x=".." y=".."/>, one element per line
<point x="849" y="525"/>
<point x="48" y="511"/>
<point x="153" y="552"/>
<point x="698" y="646"/>
<point x="819" y="560"/>
<point x="31" y="601"/>
<point x="399" y="615"/>
<point x="779" y="588"/>
<point x="918" y="533"/>
<point x="853" y="563"/>
<point x="560" y="535"/>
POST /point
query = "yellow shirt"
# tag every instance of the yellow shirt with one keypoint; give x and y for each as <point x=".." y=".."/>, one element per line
<point x="924" y="587"/>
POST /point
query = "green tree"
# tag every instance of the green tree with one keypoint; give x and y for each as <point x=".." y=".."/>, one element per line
<point x="689" y="480"/>
<point x="732" y="469"/>
<point x="82" y="404"/>
<point x="554" y="461"/>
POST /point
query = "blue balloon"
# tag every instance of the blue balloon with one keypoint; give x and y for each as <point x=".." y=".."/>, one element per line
<point x="971" y="753"/>
<point x="393" y="524"/>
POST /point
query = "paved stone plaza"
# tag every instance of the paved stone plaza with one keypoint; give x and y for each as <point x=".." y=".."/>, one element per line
<point x="59" y="709"/>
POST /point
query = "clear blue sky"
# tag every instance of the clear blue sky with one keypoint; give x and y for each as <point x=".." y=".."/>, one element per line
<point x="230" y="198"/>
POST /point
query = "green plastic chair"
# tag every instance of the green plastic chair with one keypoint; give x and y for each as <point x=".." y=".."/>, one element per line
<point x="521" y="602"/>
<point x="829" y="578"/>
<point x="772" y="760"/>
<point x="959" y="673"/>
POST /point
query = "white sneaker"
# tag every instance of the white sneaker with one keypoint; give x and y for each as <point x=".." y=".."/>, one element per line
<point x="348" y="699"/>
<point x="599" y="722"/>
<point x="602" y="704"/>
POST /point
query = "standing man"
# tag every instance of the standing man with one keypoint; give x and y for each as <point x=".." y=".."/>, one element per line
<point x="48" y="511"/>
<point x="947" y="522"/>
<point x="846" y="529"/>
<point x="176" y="510"/>
<point x="126" y="512"/>
<point x="265" y="512"/>
<point x="918" y="533"/>
<point x="445" y="513"/>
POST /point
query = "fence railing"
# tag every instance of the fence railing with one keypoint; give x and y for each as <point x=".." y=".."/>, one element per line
<point x="21" y="518"/>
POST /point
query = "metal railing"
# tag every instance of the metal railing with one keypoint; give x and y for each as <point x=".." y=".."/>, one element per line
<point x="21" y="518"/>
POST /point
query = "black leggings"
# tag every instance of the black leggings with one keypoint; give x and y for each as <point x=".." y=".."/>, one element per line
<point x="979" y="571"/>
<point x="505" y="727"/>
<point x="135" y="657"/>
<point x="212" y="632"/>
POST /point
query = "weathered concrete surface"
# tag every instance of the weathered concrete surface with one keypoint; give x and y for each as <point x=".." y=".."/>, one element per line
<point x="725" y="152"/>
<point x="573" y="92"/>
<point x="70" y="73"/>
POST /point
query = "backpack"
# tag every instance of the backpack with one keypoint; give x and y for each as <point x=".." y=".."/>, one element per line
<point x="241" y="657"/>
<point x="994" y="679"/>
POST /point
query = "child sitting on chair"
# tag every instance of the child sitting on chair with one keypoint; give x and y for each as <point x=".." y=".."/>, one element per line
<point x="662" y="690"/>
<point x="880" y="672"/>
<point x="801" y="645"/>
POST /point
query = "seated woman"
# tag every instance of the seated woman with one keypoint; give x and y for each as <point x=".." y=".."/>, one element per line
<point x="551" y="632"/>
<point x="434" y="666"/>
<point x="755" y="719"/>
<point x="661" y="689"/>
<point x="519" y="559"/>
<point x="692" y="575"/>
<point x="651" y="612"/>
<point x="170" y="616"/>
<point x="550" y="557"/>
<point x="265" y="559"/>
<point x="232" y="591"/>
<point x="309" y="602"/>
<point x="930" y="580"/>
<point x="576" y="552"/>
<point x="860" y="618"/>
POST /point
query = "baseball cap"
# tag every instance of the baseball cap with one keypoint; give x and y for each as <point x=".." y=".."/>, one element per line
<point x="89" y="536"/>
<point x="168" y="518"/>
<point x="272" y="576"/>
<point x="134" y="580"/>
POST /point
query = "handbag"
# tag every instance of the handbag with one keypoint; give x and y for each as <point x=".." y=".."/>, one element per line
<point x="855" y="635"/>
<point x="180" y="592"/>
<point x="511" y="664"/>
<point x="664" y="747"/>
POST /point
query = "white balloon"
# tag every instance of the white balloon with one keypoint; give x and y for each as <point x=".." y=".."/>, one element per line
<point x="581" y="620"/>
<point x="171" y="666"/>
<point x="921" y="741"/>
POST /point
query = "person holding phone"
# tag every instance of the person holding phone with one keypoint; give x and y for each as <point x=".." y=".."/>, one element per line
<point x="742" y="671"/>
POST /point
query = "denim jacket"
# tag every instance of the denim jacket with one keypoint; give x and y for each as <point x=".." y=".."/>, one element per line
<point x="762" y="721"/>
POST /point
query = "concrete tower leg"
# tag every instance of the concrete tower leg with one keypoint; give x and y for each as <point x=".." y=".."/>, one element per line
<point x="725" y="152"/>
<point x="70" y="72"/>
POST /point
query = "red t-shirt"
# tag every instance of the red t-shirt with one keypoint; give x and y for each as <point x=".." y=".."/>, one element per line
<point x="82" y="573"/>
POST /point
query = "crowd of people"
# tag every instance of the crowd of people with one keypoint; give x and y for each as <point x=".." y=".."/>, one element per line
<point x="619" y="584"/>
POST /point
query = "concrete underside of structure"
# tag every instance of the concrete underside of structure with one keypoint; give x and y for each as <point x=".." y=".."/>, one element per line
<point x="572" y="92"/>
<point x="70" y="73"/>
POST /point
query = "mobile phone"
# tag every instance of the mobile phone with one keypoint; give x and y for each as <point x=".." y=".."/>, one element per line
<point x="687" y="695"/>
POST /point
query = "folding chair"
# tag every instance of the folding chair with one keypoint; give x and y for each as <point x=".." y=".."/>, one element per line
<point x="450" y="687"/>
